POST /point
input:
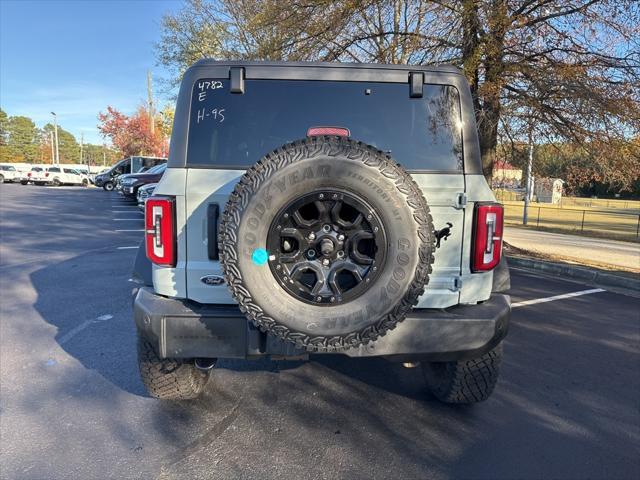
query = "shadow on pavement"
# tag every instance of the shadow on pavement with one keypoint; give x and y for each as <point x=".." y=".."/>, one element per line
<point x="566" y="405"/>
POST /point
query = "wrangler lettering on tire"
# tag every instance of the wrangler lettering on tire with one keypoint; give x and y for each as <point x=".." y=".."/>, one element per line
<point x="326" y="243"/>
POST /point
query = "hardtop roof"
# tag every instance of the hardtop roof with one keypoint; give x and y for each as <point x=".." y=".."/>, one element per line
<point x="209" y="62"/>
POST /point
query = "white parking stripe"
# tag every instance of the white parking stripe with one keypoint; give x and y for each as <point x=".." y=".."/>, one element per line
<point x="74" y="331"/>
<point x="556" y="297"/>
<point x="132" y="230"/>
<point x="125" y="219"/>
<point x="127" y="248"/>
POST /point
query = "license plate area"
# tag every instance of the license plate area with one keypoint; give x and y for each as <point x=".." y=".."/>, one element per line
<point x="206" y="337"/>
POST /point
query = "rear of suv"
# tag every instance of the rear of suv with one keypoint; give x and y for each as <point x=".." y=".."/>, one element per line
<point x="9" y="173"/>
<point x="328" y="209"/>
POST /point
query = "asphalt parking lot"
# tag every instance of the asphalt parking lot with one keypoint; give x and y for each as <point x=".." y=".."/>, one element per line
<point x="72" y="405"/>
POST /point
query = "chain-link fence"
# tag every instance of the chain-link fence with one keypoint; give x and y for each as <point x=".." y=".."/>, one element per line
<point x="617" y="224"/>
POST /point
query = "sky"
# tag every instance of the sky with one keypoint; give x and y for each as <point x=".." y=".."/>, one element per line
<point x="76" y="57"/>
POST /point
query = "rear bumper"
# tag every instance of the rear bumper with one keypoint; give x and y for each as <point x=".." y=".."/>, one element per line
<point x="184" y="329"/>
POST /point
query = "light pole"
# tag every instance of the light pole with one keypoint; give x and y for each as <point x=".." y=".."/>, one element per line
<point x="55" y="129"/>
<point x="529" y="184"/>
<point x="81" y="145"/>
<point x="53" y="151"/>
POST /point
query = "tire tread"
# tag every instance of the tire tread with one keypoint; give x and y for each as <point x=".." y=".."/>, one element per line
<point x="169" y="378"/>
<point x="464" y="381"/>
<point x="294" y="152"/>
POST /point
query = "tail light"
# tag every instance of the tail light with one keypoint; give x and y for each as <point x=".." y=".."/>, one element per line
<point x="46" y="174"/>
<point x="335" y="131"/>
<point x="160" y="238"/>
<point x="29" y="174"/>
<point x="487" y="237"/>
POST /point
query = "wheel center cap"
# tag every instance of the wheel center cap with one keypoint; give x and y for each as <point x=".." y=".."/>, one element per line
<point x="326" y="246"/>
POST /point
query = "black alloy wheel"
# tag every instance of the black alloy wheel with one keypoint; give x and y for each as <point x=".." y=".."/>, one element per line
<point x="326" y="247"/>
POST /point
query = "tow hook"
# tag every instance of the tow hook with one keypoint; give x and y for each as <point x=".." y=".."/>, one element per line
<point x="205" y="364"/>
<point x="443" y="233"/>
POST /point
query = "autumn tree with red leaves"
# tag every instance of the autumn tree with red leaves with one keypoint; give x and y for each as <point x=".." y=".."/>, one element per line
<point x="132" y="135"/>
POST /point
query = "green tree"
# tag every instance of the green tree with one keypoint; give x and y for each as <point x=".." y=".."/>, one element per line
<point x="4" y="133"/>
<point x="99" y="155"/>
<point x="21" y="137"/>
<point x="68" y="146"/>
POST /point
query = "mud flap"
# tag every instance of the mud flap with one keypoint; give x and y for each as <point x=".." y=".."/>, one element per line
<point x="142" y="268"/>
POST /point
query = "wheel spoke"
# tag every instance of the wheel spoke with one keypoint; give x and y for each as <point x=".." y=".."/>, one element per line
<point x="323" y="211"/>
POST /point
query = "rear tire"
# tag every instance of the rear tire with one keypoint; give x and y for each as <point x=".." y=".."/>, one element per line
<point x="464" y="381"/>
<point x="169" y="378"/>
<point x="85" y="183"/>
<point x="108" y="186"/>
<point x="22" y="182"/>
<point x="56" y="182"/>
<point x="1" y="179"/>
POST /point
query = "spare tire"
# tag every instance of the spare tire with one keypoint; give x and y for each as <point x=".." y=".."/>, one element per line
<point x="327" y="243"/>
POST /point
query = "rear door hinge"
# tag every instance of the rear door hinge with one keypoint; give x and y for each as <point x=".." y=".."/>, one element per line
<point x="461" y="200"/>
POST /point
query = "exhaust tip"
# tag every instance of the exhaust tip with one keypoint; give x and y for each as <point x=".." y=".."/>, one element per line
<point x="205" y="364"/>
<point x="411" y="364"/>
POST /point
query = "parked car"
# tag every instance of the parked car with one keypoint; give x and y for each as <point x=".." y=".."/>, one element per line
<point x="57" y="176"/>
<point x="9" y="173"/>
<point x="144" y="192"/>
<point x="35" y="176"/>
<point x="128" y="165"/>
<point x="292" y="219"/>
<point x="131" y="183"/>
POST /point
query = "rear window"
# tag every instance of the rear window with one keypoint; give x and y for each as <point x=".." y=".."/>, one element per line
<point x="235" y="130"/>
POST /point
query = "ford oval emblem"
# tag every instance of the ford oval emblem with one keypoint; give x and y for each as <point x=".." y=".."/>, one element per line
<point x="212" y="280"/>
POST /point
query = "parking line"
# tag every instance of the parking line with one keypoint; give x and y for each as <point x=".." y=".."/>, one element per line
<point x="74" y="331"/>
<point x="557" y="297"/>
<point x="125" y="219"/>
<point x="132" y="230"/>
<point x="127" y="248"/>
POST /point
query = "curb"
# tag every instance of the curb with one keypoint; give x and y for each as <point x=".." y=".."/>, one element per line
<point x="577" y="272"/>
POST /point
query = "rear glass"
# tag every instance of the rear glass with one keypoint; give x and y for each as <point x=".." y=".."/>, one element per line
<point x="229" y="130"/>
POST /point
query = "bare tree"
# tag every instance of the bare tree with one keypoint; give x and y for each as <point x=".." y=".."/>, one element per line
<point x="569" y="69"/>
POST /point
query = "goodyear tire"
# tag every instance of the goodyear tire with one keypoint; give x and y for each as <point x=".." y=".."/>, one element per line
<point x="464" y="381"/>
<point x="169" y="378"/>
<point x="364" y="217"/>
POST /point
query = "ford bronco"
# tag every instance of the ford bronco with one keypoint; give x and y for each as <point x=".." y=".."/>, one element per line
<point x="326" y="209"/>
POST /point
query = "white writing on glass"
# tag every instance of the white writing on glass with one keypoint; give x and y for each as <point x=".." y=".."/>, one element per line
<point x="209" y="85"/>
<point x="215" y="114"/>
